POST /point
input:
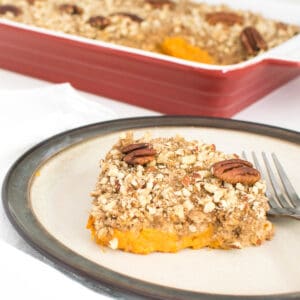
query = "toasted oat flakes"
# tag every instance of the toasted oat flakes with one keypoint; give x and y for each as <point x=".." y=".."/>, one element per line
<point x="174" y="201"/>
<point x="214" y="31"/>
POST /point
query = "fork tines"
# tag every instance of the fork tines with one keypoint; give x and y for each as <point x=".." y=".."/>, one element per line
<point x="282" y="196"/>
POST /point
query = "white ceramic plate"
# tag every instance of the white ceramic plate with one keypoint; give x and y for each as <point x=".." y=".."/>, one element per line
<point x="46" y="195"/>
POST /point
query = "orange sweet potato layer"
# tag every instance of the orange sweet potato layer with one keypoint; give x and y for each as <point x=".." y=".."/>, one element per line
<point x="152" y="240"/>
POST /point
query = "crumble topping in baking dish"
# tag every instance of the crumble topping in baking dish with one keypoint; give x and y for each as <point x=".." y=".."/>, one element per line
<point x="166" y="194"/>
<point x="212" y="34"/>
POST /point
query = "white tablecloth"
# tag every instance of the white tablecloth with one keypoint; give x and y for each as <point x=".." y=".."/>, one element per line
<point x="21" y="274"/>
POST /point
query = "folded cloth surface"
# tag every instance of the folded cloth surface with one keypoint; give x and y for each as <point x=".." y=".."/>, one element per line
<point x="24" y="277"/>
<point x="26" y="118"/>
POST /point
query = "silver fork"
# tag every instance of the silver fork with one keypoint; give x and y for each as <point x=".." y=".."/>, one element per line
<point x="284" y="201"/>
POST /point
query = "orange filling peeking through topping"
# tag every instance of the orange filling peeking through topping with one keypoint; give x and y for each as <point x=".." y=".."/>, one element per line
<point x="179" y="47"/>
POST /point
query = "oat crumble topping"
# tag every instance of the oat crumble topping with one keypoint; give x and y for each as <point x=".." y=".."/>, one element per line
<point x="194" y="31"/>
<point x="177" y="193"/>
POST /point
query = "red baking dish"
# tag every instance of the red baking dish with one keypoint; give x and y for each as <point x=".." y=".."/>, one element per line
<point x="154" y="81"/>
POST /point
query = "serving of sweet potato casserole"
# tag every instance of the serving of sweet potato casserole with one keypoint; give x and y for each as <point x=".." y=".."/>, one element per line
<point x="196" y="31"/>
<point x="167" y="194"/>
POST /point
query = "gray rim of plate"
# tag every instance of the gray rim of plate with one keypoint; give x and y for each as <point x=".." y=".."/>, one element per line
<point x="15" y="200"/>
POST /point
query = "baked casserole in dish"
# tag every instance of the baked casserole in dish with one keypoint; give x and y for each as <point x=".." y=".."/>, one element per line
<point x="178" y="57"/>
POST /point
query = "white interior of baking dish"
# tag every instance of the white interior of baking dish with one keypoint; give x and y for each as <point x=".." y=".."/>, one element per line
<point x="285" y="11"/>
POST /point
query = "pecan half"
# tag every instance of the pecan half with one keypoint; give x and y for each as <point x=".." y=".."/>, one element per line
<point x="133" y="147"/>
<point x="16" y="11"/>
<point x="138" y="154"/>
<point x="235" y="170"/>
<point x="99" y="22"/>
<point x="252" y="40"/>
<point x="71" y="9"/>
<point x="132" y="17"/>
<point x="227" y="18"/>
<point x="160" y="3"/>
